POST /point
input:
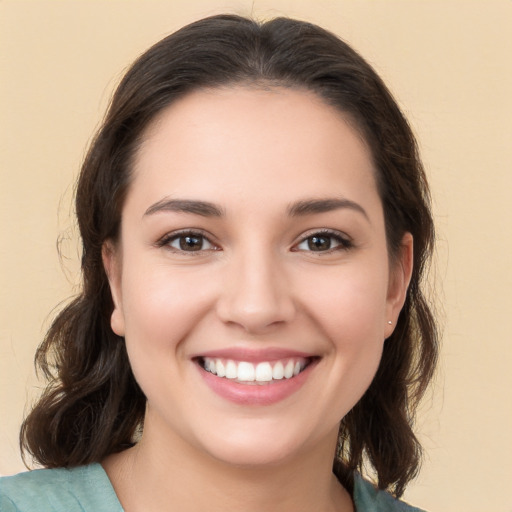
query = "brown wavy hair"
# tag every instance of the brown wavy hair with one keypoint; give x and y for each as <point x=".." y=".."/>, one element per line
<point x="92" y="405"/>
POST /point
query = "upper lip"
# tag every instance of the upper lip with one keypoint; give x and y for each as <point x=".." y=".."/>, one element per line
<point x="254" y="355"/>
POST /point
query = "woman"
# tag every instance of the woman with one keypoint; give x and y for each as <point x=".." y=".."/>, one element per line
<point x="255" y="224"/>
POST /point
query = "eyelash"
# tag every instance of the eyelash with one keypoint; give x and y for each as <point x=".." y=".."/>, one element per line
<point x="166" y="241"/>
<point x="343" y="242"/>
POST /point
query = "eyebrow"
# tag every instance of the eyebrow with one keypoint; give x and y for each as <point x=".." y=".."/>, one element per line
<point x="203" y="208"/>
<point x="312" y="206"/>
<point x="297" y="209"/>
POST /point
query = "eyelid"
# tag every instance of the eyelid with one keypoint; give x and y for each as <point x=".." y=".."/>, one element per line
<point x="165" y="240"/>
<point x="345" y="241"/>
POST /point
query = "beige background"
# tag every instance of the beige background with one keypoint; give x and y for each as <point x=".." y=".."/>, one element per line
<point x="449" y="64"/>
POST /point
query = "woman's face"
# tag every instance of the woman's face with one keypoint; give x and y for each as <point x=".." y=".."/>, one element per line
<point x="251" y="280"/>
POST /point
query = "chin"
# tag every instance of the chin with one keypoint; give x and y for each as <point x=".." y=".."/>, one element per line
<point x="252" y="457"/>
<point x="255" y="447"/>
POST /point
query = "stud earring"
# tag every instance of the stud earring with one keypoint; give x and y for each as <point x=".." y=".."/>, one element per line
<point x="390" y="322"/>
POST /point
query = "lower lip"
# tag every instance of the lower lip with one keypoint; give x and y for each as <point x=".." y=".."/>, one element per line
<point x="256" y="394"/>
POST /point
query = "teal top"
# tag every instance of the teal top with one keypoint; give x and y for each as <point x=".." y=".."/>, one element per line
<point x="88" y="489"/>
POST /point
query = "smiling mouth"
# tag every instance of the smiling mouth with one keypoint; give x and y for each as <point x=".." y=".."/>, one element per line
<point x="264" y="372"/>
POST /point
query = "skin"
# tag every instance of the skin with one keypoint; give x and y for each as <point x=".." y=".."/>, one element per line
<point x="254" y="283"/>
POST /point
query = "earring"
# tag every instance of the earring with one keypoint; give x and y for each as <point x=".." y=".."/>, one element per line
<point x="390" y="322"/>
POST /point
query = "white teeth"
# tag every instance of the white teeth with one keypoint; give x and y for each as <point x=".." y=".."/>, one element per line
<point x="264" y="372"/>
<point x="244" y="371"/>
<point x="278" y="371"/>
<point x="221" y="371"/>
<point x="231" y="370"/>
<point x="288" y="370"/>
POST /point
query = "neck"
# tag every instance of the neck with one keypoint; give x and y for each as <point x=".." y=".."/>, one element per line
<point x="158" y="475"/>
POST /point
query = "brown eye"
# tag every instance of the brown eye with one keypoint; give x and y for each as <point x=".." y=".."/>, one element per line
<point x="189" y="242"/>
<point x="319" y="243"/>
<point x="324" y="242"/>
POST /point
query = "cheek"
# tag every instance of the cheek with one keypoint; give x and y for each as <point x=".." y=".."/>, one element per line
<point x="350" y="309"/>
<point x="350" y="304"/>
<point x="161" y="308"/>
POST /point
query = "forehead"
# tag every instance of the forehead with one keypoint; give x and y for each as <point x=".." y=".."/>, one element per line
<point x="252" y="107"/>
<point x="250" y="140"/>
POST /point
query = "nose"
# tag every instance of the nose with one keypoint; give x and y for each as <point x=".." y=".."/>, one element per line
<point x="256" y="294"/>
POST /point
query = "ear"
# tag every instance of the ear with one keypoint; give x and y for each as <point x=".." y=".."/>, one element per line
<point x="399" y="279"/>
<point x="112" y="263"/>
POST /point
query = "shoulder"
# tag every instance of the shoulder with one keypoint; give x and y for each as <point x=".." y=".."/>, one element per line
<point x="368" y="498"/>
<point x="81" y="489"/>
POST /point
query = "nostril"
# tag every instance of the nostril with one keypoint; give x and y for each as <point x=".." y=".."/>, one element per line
<point x="254" y="316"/>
